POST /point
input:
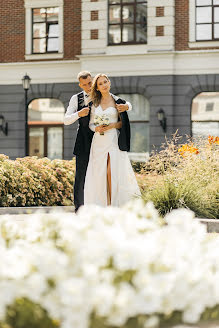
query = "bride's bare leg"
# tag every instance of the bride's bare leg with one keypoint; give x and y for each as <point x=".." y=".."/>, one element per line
<point x="108" y="181"/>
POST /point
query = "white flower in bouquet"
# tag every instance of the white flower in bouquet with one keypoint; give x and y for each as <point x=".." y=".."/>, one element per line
<point x="101" y="120"/>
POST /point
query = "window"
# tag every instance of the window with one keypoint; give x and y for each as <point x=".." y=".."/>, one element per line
<point x="127" y="22"/>
<point x="209" y="107"/>
<point x="45" y="30"/>
<point x="45" y="125"/>
<point x="207" y="20"/>
<point x="205" y="114"/>
<point x="139" y="122"/>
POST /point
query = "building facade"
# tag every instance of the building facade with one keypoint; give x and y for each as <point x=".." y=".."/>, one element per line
<point x="162" y="55"/>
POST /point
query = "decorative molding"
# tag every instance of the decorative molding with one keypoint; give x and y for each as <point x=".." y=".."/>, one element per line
<point x="42" y="3"/>
<point x="194" y="62"/>
<point x="205" y="44"/>
<point x="44" y="56"/>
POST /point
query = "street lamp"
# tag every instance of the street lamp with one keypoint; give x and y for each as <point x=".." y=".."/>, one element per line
<point x="26" y="85"/>
<point x="162" y="119"/>
<point x="3" y="125"/>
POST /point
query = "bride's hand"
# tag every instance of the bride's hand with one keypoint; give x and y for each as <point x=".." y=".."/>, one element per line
<point x="108" y="127"/>
<point x="100" y="129"/>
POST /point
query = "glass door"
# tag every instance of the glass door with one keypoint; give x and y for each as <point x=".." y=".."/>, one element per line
<point x="46" y="141"/>
<point x="36" y="141"/>
<point x="55" y="142"/>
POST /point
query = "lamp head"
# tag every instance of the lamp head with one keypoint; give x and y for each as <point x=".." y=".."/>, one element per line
<point x="160" y="114"/>
<point x="26" y="82"/>
<point x="162" y="119"/>
<point x="3" y="125"/>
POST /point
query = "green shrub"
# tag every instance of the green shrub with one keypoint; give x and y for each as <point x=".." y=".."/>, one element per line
<point x="31" y="181"/>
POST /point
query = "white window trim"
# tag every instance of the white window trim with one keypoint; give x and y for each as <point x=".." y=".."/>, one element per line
<point x="29" y="4"/>
<point x="192" y="25"/>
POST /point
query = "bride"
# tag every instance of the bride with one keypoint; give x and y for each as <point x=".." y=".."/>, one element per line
<point x="110" y="179"/>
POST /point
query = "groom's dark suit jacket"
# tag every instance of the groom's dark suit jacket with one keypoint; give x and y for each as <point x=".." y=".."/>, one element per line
<point x="125" y="133"/>
<point x="85" y="135"/>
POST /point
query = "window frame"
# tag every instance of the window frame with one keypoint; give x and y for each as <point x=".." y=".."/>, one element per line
<point x="47" y="31"/>
<point x="212" y="6"/>
<point x="45" y="127"/>
<point x="34" y="4"/>
<point x="192" y="120"/>
<point x="134" y="3"/>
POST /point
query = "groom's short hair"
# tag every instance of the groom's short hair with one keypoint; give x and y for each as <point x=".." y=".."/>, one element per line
<point x="83" y="75"/>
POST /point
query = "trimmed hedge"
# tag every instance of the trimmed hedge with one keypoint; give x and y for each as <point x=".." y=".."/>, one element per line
<point x="32" y="181"/>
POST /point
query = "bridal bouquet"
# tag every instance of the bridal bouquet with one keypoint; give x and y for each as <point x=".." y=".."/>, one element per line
<point x="101" y="120"/>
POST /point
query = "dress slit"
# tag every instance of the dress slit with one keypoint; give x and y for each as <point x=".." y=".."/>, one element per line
<point x="109" y="180"/>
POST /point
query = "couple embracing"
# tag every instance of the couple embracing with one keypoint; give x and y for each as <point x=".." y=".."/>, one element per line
<point x="104" y="175"/>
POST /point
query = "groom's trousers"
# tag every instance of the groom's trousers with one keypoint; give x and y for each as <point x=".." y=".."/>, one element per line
<point x="80" y="174"/>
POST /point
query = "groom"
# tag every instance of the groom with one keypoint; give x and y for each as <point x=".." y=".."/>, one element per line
<point x="79" y="109"/>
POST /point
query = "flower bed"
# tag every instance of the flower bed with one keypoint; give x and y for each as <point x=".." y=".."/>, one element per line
<point x="184" y="175"/>
<point x="107" y="268"/>
<point x="31" y="181"/>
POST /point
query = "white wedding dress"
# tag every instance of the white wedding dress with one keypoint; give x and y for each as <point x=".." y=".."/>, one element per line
<point x="123" y="182"/>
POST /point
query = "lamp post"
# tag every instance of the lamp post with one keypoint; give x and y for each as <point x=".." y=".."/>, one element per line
<point x="26" y="85"/>
<point x="162" y="119"/>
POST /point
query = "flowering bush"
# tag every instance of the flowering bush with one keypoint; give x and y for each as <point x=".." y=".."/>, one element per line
<point x="184" y="176"/>
<point x="185" y="149"/>
<point x="31" y="181"/>
<point x="213" y="140"/>
<point x="107" y="268"/>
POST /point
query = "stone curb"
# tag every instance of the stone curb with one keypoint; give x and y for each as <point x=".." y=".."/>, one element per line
<point x="212" y="224"/>
<point x="34" y="209"/>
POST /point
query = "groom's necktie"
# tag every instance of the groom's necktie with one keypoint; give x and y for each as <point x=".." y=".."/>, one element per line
<point x="86" y="96"/>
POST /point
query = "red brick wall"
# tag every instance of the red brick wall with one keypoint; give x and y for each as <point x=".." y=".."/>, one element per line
<point x="182" y="26"/>
<point x="12" y="30"/>
<point x="72" y="28"/>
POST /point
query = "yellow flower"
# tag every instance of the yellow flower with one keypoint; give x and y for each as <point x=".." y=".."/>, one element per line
<point x="185" y="149"/>
<point x="213" y="140"/>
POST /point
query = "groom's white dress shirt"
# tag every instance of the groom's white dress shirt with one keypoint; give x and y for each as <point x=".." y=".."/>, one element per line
<point x="71" y="114"/>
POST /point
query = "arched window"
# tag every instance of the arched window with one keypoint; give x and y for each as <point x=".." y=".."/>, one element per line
<point x="45" y="125"/>
<point x="205" y="114"/>
<point x="139" y="120"/>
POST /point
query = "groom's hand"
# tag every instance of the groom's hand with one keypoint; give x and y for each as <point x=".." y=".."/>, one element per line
<point x="122" y="107"/>
<point x="83" y="112"/>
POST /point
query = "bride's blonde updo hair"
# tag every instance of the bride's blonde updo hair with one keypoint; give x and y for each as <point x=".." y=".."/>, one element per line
<point x="96" y="94"/>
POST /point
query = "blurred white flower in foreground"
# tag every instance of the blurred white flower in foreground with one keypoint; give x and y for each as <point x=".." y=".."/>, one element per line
<point x="112" y="263"/>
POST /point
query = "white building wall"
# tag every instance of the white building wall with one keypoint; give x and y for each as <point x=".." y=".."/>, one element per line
<point x="155" y="43"/>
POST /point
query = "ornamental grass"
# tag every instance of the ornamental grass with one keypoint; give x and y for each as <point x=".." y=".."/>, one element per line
<point x="184" y="175"/>
<point x="31" y="181"/>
